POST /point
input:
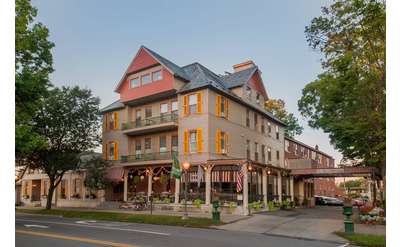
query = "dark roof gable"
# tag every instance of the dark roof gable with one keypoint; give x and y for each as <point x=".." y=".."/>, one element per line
<point x="240" y="78"/>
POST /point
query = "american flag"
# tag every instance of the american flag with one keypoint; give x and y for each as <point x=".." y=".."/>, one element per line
<point x="239" y="177"/>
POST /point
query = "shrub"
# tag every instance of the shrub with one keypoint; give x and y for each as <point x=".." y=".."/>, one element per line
<point x="197" y="203"/>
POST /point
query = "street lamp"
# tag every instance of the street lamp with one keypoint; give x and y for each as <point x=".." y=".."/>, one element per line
<point x="186" y="166"/>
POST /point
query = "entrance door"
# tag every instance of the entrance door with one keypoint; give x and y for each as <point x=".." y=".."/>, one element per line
<point x="36" y="190"/>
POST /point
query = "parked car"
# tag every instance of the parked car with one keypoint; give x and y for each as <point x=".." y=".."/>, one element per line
<point x="358" y="202"/>
<point x="328" y="201"/>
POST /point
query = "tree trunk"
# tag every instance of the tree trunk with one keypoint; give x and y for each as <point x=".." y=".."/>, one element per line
<point x="50" y="195"/>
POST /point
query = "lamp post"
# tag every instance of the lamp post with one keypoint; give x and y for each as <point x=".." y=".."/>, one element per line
<point x="186" y="166"/>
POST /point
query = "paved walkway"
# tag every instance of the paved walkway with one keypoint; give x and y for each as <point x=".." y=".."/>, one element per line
<point x="316" y="223"/>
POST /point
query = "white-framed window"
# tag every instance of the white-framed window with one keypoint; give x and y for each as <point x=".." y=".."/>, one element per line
<point x="111" y="151"/>
<point x="193" y="141"/>
<point x="222" y="106"/>
<point x="277" y="131"/>
<point x="164" y="108"/>
<point x="174" y="143"/>
<point x="174" y="107"/>
<point x="286" y="146"/>
<point x="156" y="75"/>
<point x="277" y="155"/>
<point x="269" y="154"/>
<point x="222" y="142"/>
<point x="163" y="144"/>
<point x="135" y="82"/>
<point x="193" y="103"/>
<point x="145" y="79"/>
<point x="147" y="145"/>
<point x="269" y="128"/>
<point x="248" y="92"/>
<point x="258" y="98"/>
<point x="138" y="147"/>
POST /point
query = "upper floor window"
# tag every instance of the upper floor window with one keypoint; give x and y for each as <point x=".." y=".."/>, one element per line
<point x="138" y="147"/>
<point x="221" y="106"/>
<point x="163" y="144"/>
<point x="112" y="151"/>
<point x="248" y="149"/>
<point x="248" y="92"/>
<point x="157" y="75"/>
<point x="174" y="107"/>
<point x="269" y="128"/>
<point x="277" y="132"/>
<point x="258" y="98"/>
<point x="277" y="154"/>
<point x="135" y="82"/>
<point x="145" y="79"/>
<point x="221" y="142"/>
<point x="263" y="153"/>
<point x="255" y="121"/>
<point x="256" y="151"/>
<point x="286" y="146"/>
<point x="262" y="126"/>
<point x="174" y="143"/>
<point x="247" y="118"/>
<point x="111" y="120"/>
<point x="164" y="108"/>
<point x="147" y="144"/>
<point x="148" y="112"/>
<point x="192" y="103"/>
<point x="269" y="154"/>
<point x="193" y="141"/>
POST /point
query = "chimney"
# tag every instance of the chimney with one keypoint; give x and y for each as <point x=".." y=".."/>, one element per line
<point x="316" y="147"/>
<point x="242" y="66"/>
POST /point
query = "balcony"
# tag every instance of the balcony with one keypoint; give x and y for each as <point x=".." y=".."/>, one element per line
<point x="148" y="157"/>
<point x="150" y="125"/>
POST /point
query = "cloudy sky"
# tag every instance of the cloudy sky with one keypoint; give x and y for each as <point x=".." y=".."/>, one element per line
<point x="96" y="40"/>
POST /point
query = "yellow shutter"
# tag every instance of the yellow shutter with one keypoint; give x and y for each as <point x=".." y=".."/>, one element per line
<point x="199" y="102"/>
<point x="116" y="120"/>
<point x="218" y="141"/>
<point x="226" y="108"/>
<point x="226" y="142"/>
<point x="199" y="140"/>
<point x="185" y="105"/>
<point x="115" y="150"/>
<point x="218" y="106"/>
<point x="186" y="142"/>
<point x="106" y="152"/>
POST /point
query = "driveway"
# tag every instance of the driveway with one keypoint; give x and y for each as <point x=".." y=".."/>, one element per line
<point x="311" y="223"/>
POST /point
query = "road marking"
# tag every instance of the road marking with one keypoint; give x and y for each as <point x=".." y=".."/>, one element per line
<point x="344" y="245"/>
<point x="37" y="226"/>
<point x="99" y="227"/>
<point x="79" y="239"/>
<point x="85" y="221"/>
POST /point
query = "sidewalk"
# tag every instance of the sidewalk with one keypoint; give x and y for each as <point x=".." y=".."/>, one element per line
<point x="226" y="218"/>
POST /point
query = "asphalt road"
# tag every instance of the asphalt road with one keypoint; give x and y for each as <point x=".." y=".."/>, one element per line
<point x="46" y="231"/>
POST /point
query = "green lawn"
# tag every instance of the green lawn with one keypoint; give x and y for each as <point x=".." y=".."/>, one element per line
<point x="364" y="239"/>
<point x="125" y="217"/>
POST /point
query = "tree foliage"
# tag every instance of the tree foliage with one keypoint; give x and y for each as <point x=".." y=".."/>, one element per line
<point x="95" y="169"/>
<point x="70" y="121"/>
<point x="347" y="100"/>
<point x="33" y="64"/>
<point x="277" y="108"/>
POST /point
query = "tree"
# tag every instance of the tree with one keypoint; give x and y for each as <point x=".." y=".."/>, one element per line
<point x="277" y="108"/>
<point x="347" y="100"/>
<point x="70" y="122"/>
<point x="95" y="168"/>
<point x="33" y="64"/>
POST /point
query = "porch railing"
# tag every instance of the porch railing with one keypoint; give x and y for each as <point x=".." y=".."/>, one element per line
<point x="148" y="156"/>
<point x="150" y="121"/>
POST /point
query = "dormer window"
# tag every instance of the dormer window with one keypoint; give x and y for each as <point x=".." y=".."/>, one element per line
<point x="135" y="82"/>
<point x="145" y="79"/>
<point x="157" y="75"/>
<point x="248" y="92"/>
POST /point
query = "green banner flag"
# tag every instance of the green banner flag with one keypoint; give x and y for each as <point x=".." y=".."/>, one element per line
<point x="176" y="168"/>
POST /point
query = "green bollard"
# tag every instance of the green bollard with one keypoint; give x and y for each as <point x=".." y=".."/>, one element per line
<point x="216" y="217"/>
<point x="348" y="223"/>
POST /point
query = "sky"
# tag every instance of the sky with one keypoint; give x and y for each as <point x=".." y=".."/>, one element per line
<point x="96" y="40"/>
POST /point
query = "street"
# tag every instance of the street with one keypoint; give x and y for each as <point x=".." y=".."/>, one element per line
<point x="35" y="230"/>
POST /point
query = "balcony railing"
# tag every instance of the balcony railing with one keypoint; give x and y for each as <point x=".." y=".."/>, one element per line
<point x="148" y="156"/>
<point x="150" y="121"/>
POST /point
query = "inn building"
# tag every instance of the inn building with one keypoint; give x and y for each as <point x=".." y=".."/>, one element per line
<point x="215" y="122"/>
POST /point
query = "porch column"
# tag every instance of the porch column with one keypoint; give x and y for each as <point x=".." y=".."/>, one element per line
<point x="125" y="186"/>
<point x="177" y="186"/>
<point x="245" y="193"/>
<point x="83" y="188"/>
<point x="264" y="186"/>
<point x="149" y="182"/>
<point x="279" y="186"/>
<point x="291" y="185"/>
<point x="69" y="186"/>
<point x="208" y="186"/>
